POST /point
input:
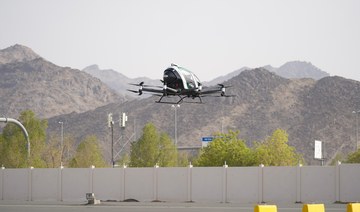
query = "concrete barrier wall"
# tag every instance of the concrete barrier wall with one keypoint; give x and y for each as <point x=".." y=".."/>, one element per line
<point x="173" y="184"/>
<point x="1" y="183"/>
<point x="75" y="183"/>
<point x="349" y="183"/>
<point x="318" y="184"/>
<point x="243" y="184"/>
<point x="198" y="184"/>
<point x="16" y="184"/>
<point x="207" y="184"/>
<point x="45" y="184"/>
<point x="279" y="184"/>
<point x="139" y="184"/>
<point x="108" y="184"/>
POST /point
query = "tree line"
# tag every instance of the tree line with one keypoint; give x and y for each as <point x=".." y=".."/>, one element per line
<point x="153" y="147"/>
<point x="45" y="154"/>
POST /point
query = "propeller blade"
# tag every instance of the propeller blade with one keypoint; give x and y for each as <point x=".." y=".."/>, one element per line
<point x="132" y="91"/>
<point x="140" y="84"/>
<point x="139" y="91"/>
<point x="224" y="86"/>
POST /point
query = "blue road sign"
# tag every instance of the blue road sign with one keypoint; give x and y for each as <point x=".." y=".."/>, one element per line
<point x="207" y="139"/>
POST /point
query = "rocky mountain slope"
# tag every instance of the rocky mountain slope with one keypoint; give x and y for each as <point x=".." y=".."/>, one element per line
<point x="264" y="101"/>
<point x="306" y="108"/>
<point x="30" y="82"/>
<point x="17" y="53"/>
<point x="116" y="80"/>
<point x="298" y="69"/>
<point x="290" y="70"/>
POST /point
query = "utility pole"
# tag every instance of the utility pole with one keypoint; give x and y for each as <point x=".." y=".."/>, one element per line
<point x="175" y="108"/>
<point x="111" y="125"/>
<point x="61" y="142"/>
<point x="357" y="128"/>
<point x="122" y="123"/>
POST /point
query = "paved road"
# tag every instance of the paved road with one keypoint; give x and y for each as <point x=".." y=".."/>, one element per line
<point x="147" y="207"/>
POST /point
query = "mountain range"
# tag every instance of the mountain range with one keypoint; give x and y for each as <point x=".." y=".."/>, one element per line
<point x="307" y="108"/>
<point x="28" y="81"/>
<point x="290" y="70"/>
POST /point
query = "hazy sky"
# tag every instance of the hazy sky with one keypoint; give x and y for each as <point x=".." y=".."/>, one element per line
<point x="209" y="37"/>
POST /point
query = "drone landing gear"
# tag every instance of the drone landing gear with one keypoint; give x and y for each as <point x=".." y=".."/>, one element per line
<point x="181" y="98"/>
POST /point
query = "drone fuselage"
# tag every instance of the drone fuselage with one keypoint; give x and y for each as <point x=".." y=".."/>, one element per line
<point x="180" y="82"/>
<point x="181" y="79"/>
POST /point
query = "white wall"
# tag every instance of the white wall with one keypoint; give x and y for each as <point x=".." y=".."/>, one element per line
<point x="242" y="184"/>
<point x="349" y="183"/>
<point x="108" y="184"/>
<point x="16" y="184"/>
<point x="75" y="184"/>
<point x="139" y="184"/>
<point x="173" y="184"/>
<point x="318" y="184"/>
<point x="45" y="184"/>
<point x="279" y="184"/>
<point x="198" y="184"/>
<point x="207" y="184"/>
<point x="1" y="183"/>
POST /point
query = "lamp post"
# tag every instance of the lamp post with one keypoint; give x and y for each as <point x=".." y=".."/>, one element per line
<point x="61" y="142"/>
<point x="111" y="125"/>
<point x="11" y="120"/>
<point x="112" y="144"/>
<point x="357" y="128"/>
<point x="175" y="107"/>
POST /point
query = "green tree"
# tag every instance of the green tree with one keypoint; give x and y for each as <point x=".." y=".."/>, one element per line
<point x="167" y="152"/>
<point x="1" y="150"/>
<point x="14" y="145"/>
<point x="88" y="153"/>
<point x="226" y="148"/>
<point x="354" y="157"/>
<point x="183" y="159"/>
<point x="52" y="153"/>
<point x="338" y="157"/>
<point x="124" y="160"/>
<point x="152" y="148"/>
<point x="275" y="151"/>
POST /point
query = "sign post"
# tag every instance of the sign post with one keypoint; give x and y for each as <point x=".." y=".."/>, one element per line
<point x="318" y="151"/>
<point x="205" y="140"/>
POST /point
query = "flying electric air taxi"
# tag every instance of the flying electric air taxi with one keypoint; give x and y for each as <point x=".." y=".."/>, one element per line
<point x="182" y="83"/>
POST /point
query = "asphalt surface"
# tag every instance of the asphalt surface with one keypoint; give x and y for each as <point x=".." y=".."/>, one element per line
<point x="12" y="206"/>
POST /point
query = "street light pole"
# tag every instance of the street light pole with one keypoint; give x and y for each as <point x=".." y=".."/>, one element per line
<point x="111" y="125"/>
<point x="11" y="120"/>
<point x="175" y="108"/>
<point x="357" y="128"/>
<point x="61" y="142"/>
<point x="112" y="144"/>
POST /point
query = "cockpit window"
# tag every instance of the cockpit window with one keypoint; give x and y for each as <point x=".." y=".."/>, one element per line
<point x="172" y="79"/>
<point x="191" y="80"/>
<point x="196" y="80"/>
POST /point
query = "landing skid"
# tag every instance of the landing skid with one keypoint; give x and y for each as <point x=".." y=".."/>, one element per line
<point x="181" y="99"/>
